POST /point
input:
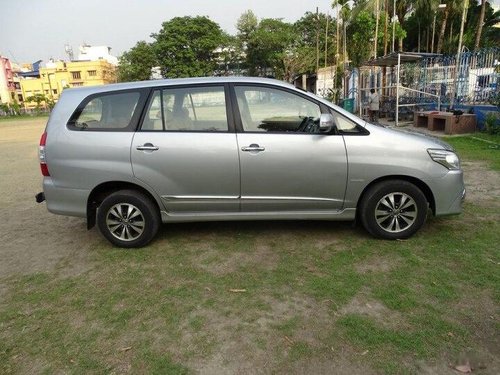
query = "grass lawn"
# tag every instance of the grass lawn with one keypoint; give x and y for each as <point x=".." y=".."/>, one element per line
<point x="8" y="119"/>
<point x="480" y="146"/>
<point x="267" y="297"/>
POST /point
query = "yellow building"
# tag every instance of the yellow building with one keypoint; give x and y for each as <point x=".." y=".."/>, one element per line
<point x="60" y="75"/>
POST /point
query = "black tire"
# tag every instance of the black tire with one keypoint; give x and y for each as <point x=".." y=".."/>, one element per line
<point x="382" y="221"/>
<point x="128" y="218"/>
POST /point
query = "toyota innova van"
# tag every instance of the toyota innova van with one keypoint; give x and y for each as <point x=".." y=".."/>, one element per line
<point x="134" y="155"/>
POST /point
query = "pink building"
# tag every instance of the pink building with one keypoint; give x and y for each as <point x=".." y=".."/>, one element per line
<point x="7" y="85"/>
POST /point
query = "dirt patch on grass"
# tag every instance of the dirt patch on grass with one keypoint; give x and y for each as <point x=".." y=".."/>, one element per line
<point x="362" y="304"/>
<point x="221" y="263"/>
<point x="377" y="263"/>
<point x="260" y="340"/>
<point x="479" y="311"/>
<point x="31" y="239"/>
<point x="482" y="183"/>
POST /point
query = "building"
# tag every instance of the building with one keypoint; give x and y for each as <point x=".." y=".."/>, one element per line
<point x="58" y="75"/>
<point x="93" y="53"/>
<point x="7" y="84"/>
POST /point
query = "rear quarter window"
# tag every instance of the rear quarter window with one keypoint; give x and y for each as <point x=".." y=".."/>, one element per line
<point x="108" y="111"/>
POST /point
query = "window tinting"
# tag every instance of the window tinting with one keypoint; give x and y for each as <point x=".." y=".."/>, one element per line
<point x="187" y="109"/>
<point x="110" y="111"/>
<point x="265" y="109"/>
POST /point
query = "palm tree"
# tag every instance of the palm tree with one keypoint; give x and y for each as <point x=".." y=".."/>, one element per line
<point x="480" y="24"/>
<point x="451" y="6"/>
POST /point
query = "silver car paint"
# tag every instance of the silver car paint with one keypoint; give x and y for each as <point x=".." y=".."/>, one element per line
<point x="325" y="184"/>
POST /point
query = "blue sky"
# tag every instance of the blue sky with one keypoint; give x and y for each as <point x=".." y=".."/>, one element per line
<point x="38" y="29"/>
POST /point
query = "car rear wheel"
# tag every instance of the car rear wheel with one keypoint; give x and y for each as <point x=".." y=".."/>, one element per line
<point x="393" y="209"/>
<point x="128" y="218"/>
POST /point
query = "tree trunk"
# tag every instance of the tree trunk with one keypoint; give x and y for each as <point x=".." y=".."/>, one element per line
<point x="386" y="9"/>
<point x="377" y="16"/>
<point x="418" y="47"/>
<point x="443" y="30"/>
<point x="480" y="25"/>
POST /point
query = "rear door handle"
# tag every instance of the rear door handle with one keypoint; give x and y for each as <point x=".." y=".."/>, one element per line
<point x="253" y="147"/>
<point x="147" y="147"/>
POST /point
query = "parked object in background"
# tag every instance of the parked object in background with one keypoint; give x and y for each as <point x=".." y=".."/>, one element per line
<point x="456" y="122"/>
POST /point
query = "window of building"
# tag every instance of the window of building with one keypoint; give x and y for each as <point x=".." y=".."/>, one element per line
<point x="76" y="75"/>
<point x="77" y="84"/>
<point x="54" y="91"/>
<point x="106" y="112"/>
<point x="92" y="73"/>
<point x="20" y="98"/>
<point x="265" y="109"/>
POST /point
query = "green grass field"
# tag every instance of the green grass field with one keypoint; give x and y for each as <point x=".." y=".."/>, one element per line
<point x="267" y="297"/>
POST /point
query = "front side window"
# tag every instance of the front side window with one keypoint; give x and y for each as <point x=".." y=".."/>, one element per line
<point x="187" y="109"/>
<point x="264" y="109"/>
<point x="107" y="111"/>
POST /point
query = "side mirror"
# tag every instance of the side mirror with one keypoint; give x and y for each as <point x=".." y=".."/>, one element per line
<point x="326" y="123"/>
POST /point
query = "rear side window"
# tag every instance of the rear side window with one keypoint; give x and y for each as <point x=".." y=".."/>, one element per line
<point x="107" y="111"/>
<point x="187" y="109"/>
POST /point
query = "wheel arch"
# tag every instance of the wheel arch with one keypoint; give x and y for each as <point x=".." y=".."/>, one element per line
<point x="426" y="190"/>
<point x="101" y="191"/>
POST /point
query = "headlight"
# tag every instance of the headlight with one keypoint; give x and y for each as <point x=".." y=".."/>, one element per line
<point x="446" y="158"/>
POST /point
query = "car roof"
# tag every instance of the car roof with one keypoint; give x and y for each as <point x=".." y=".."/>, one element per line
<point x="176" y="81"/>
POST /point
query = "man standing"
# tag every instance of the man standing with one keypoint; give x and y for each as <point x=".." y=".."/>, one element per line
<point x="373" y="101"/>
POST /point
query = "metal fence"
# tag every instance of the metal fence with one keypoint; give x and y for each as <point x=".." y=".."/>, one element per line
<point x="434" y="83"/>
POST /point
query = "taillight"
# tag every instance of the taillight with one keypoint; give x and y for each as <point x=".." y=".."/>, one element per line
<point x="41" y="155"/>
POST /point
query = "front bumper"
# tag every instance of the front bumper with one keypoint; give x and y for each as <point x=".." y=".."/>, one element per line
<point x="449" y="193"/>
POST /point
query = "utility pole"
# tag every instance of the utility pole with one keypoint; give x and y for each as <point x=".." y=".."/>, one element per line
<point x="326" y="40"/>
<point x="317" y="39"/>
<point x="459" y="52"/>
<point x="393" y="25"/>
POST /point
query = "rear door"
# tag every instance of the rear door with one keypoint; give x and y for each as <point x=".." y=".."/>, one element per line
<point x="186" y="150"/>
<point x="286" y="163"/>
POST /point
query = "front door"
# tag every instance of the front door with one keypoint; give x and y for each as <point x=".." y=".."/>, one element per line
<point x="286" y="163"/>
<point x="187" y="152"/>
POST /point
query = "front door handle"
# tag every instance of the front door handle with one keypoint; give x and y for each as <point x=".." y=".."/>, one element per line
<point x="147" y="147"/>
<point x="253" y="147"/>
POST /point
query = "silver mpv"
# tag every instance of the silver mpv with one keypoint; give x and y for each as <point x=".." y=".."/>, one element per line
<point x="130" y="156"/>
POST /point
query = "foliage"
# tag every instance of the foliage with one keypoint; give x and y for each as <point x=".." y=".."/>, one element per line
<point x="196" y="46"/>
<point x="359" y="35"/>
<point x="268" y="45"/>
<point x="136" y="64"/>
<point x="492" y="123"/>
<point x="185" y="46"/>
<point x="310" y="25"/>
<point x="246" y="25"/>
<point x="38" y="99"/>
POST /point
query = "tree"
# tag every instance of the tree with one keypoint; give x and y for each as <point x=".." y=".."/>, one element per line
<point x="480" y="24"/>
<point x="38" y="99"/>
<point x="359" y="33"/>
<point x="267" y="47"/>
<point x="246" y="24"/>
<point x="307" y="27"/>
<point x="185" y="46"/>
<point x="136" y="64"/>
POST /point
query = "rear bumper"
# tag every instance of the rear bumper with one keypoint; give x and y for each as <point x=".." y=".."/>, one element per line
<point x="64" y="201"/>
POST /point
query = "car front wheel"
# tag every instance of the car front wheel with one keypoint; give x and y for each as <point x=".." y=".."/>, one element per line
<point x="393" y="209"/>
<point x="128" y="218"/>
